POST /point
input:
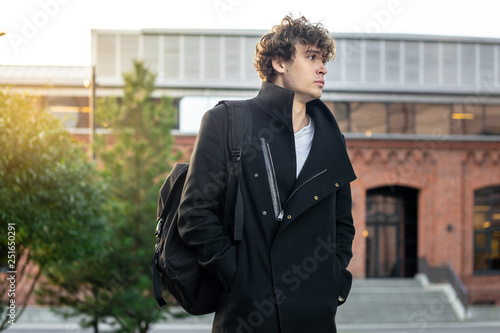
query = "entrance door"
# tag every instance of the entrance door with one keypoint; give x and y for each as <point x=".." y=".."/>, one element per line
<point x="391" y="232"/>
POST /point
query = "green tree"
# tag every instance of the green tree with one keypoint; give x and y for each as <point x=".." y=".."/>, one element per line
<point x="135" y="157"/>
<point x="88" y="289"/>
<point x="51" y="196"/>
<point x="135" y="165"/>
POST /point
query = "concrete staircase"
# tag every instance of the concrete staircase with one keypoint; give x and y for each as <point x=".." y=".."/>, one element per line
<point x="406" y="301"/>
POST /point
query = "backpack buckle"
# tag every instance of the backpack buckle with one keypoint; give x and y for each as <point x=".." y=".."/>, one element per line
<point x="236" y="154"/>
<point x="159" y="227"/>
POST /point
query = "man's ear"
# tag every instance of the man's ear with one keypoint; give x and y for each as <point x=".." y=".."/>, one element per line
<point x="278" y="65"/>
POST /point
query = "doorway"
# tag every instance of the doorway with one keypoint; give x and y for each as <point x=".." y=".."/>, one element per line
<point x="391" y="232"/>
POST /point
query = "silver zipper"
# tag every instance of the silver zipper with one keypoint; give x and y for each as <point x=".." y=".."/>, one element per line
<point x="271" y="176"/>
<point x="279" y="212"/>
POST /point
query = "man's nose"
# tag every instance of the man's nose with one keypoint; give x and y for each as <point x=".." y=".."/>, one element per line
<point x="322" y="69"/>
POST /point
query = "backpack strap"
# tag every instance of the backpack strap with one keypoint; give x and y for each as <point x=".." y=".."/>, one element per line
<point x="238" y="139"/>
<point x="156" y="283"/>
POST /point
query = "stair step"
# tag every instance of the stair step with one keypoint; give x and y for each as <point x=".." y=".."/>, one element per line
<point x="394" y="301"/>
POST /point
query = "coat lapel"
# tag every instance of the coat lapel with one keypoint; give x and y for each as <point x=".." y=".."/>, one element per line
<point x="327" y="152"/>
<point x="327" y="167"/>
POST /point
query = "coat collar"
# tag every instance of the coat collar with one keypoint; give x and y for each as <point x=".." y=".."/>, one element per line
<point x="276" y="102"/>
<point x="330" y="143"/>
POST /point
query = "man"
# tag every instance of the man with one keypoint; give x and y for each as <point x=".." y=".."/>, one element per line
<point x="289" y="272"/>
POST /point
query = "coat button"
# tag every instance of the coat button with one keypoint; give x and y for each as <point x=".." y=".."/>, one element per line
<point x="337" y="185"/>
<point x="264" y="212"/>
<point x="256" y="175"/>
<point x="316" y="197"/>
<point x="289" y="217"/>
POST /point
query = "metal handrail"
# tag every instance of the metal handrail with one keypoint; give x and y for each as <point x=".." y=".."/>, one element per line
<point x="445" y="274"/>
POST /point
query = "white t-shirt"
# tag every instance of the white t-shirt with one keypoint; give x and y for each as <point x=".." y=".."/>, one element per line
<point x="303" y="143"/>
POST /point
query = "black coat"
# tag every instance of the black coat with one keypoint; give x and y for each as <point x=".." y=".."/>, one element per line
<point x="284" y="276"/>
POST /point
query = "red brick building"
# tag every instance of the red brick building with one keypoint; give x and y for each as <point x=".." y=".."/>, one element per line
<point x="426" y="200"/>
<point x="421" y="115"/>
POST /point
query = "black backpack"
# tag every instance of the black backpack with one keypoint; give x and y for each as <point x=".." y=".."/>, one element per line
<point x="174" y="263"/>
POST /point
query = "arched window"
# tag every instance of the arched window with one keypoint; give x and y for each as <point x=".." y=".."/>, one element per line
<point x="487" y="230"/>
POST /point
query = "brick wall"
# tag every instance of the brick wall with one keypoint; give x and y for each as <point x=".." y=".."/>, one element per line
<point x="446" y="174"/>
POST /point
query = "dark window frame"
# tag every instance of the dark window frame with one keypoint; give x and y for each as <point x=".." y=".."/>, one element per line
<point x="493" y="263"/>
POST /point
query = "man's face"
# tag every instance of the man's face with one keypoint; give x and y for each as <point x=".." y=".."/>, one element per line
<point x="305" y="74"/>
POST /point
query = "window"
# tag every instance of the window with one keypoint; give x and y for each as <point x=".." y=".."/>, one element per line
<point x="232" y="61"/>
<point x="72" y="111"/>
<point x="368" y="118"/>
<point x="431" y="63"/>
<point x="212" y="57"/>
<point x="450" y="63"/>
<point x="373" y="59"/>
<point x="433" y="119"/>
<point x="171" y="57"/>
<point x="249" y="54"/>
<point x="151" y="53"/>
<point x="401" y="118"/>
<point x="468" y="67"/>
<point x="392" y="65"/>
<point x="106" y="55"/>
<point x="411" y="62"/>
<point x="467" y="119"/>
<point x="341" y="112"/>
<point x="487" y="230"/>
<point x="129" y="51"/>
<point x="492" y="120"/>
<point x="353" y="61"/>
<point x="192" y="56"/>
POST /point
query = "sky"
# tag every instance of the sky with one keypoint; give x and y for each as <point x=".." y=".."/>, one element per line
<point x="57" y="32"/>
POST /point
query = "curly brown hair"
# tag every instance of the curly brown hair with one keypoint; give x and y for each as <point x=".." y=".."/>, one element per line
<point x="280" y="42"/>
